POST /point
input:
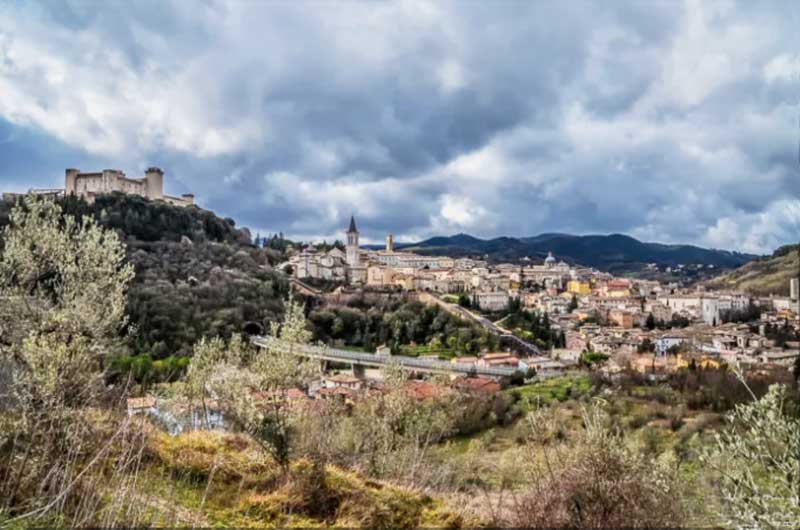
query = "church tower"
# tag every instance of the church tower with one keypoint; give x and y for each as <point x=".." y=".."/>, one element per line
<point x="353" y="257"/>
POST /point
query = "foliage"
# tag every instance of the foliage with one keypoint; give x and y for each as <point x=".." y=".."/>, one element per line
<point x="223" y="479"/>
<point x="589" y="358"/>
<point x="184" y="292"/>
<point x="63" y="283"/>
<point x="551" y="390"/>
<point x="758" y="461"/>
<point x="535" y="327"/>
<point x="145" y="220"/>
<point x="748" y="314"/>
<point x="595" y="481"/>
<point x="369" y="323"/>
<point x="720" y="389"/>
<point x="251" y="386"/>
<point x="144" y="370"/>
<point x="196" y="274"/>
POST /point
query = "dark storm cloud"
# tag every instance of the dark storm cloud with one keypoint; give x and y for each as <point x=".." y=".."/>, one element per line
<point x="670" y="121"/>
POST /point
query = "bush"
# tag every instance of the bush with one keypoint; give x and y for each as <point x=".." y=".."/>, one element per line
<point x="599" y="483"/>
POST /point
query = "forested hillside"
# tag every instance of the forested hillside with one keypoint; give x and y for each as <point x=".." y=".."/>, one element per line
<point x="408" y="327"/>
<point x="196" y="273"/>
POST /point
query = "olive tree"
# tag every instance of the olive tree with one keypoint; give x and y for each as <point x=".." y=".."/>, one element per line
<point x="758" y="462"/>
<point x="250" y="386"/>
<point x="63" y="285"/>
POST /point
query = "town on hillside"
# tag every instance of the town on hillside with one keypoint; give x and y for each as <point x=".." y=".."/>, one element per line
<point x="608" y="322"/>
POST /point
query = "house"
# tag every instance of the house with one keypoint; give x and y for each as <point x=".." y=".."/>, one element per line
<point x="782" y="357"/>
<point x="493" y="360"/>
<point x="342" y="381"/>
<point x="665" y="342"/>
<point x="465" y="361"/>
<point x="422" y="390"/>
<point x="623" y="319"/>
<point x="338" y="392"/>
<point x="492" y="300"/>
<point x="578" y="287"/>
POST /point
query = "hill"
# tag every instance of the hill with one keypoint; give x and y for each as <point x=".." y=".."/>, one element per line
<point x="614" y="253"/>
<point x="197" y="274"/>
<point x="763" y="276"/>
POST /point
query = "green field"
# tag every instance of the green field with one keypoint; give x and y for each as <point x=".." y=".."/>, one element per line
<point x="552" y="390"/>
<point x="416" y="351"/>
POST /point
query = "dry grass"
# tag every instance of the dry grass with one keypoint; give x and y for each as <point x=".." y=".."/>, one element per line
<point x="220" y="478"/>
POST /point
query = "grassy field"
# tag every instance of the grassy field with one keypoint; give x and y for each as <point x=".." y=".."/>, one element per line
<point x="416" y="351"/>
<point x="553" y="390"/>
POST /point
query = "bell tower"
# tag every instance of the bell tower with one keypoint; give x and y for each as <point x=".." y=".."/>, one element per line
<point x="353" y="257"/>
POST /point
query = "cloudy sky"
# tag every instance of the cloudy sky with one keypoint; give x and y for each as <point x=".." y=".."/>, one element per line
<point x="668" y="121"/>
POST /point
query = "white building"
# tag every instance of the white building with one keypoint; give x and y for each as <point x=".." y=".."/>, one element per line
<point x="492" y="300"/>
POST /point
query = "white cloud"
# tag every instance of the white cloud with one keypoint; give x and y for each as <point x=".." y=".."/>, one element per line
<point x="673" y="122"/>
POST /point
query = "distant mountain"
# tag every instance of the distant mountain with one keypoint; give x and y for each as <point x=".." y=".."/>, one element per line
<point x="615" y="252"/>
<point x="763" y="276"/>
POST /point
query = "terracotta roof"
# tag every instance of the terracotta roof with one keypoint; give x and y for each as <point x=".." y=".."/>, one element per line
<point x="490" y="356"/>
<point x="336" y="391"/>
<point x="423" y="389"/>
<point x="483" y="385"/>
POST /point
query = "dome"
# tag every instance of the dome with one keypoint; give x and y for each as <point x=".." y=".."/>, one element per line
<point x="550" y="260"/>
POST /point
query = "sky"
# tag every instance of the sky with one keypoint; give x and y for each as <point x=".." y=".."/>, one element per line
<point x="670" y="121"/>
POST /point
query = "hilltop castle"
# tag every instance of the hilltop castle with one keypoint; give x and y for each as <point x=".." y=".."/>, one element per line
<point x="151" y="186"/>
<point x="90" y="185"/>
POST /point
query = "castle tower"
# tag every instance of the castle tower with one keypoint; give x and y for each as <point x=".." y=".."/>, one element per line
<point x="71" y="182"/>
<point x="389" y="243"/>
<point x="353" y="257"/>
<point x="154" y="183"/>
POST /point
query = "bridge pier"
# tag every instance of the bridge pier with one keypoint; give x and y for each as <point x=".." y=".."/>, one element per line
<point x="359" y="371"/>
<point x="323" y="366"/>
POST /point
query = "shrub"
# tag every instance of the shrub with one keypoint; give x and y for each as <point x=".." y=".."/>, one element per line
<point x="600" y="482"/>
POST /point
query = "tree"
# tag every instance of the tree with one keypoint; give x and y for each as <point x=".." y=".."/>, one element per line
<point x="796" y="369"/>
<point x="650" y="323"/>
<point x="758" y="462"/>
<point x="252" y="387"/>
<point x="595" y="481"/>
<point x="63" y="284"/>
<point x="573" y="304"/>
<point x="464" y="300"/>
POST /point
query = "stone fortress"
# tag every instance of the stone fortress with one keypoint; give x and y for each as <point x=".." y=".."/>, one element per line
<point x="90" y="185"/>
<point x="151" y="186"/>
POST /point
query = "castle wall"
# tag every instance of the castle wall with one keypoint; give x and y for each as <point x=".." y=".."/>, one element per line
<point x="151" y="186"/>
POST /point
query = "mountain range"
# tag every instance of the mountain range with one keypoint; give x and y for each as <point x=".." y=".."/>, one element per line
<point x="613" y="253"/>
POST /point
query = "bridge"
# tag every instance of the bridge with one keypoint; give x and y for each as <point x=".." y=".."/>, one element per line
<point x="361" y="359"/>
